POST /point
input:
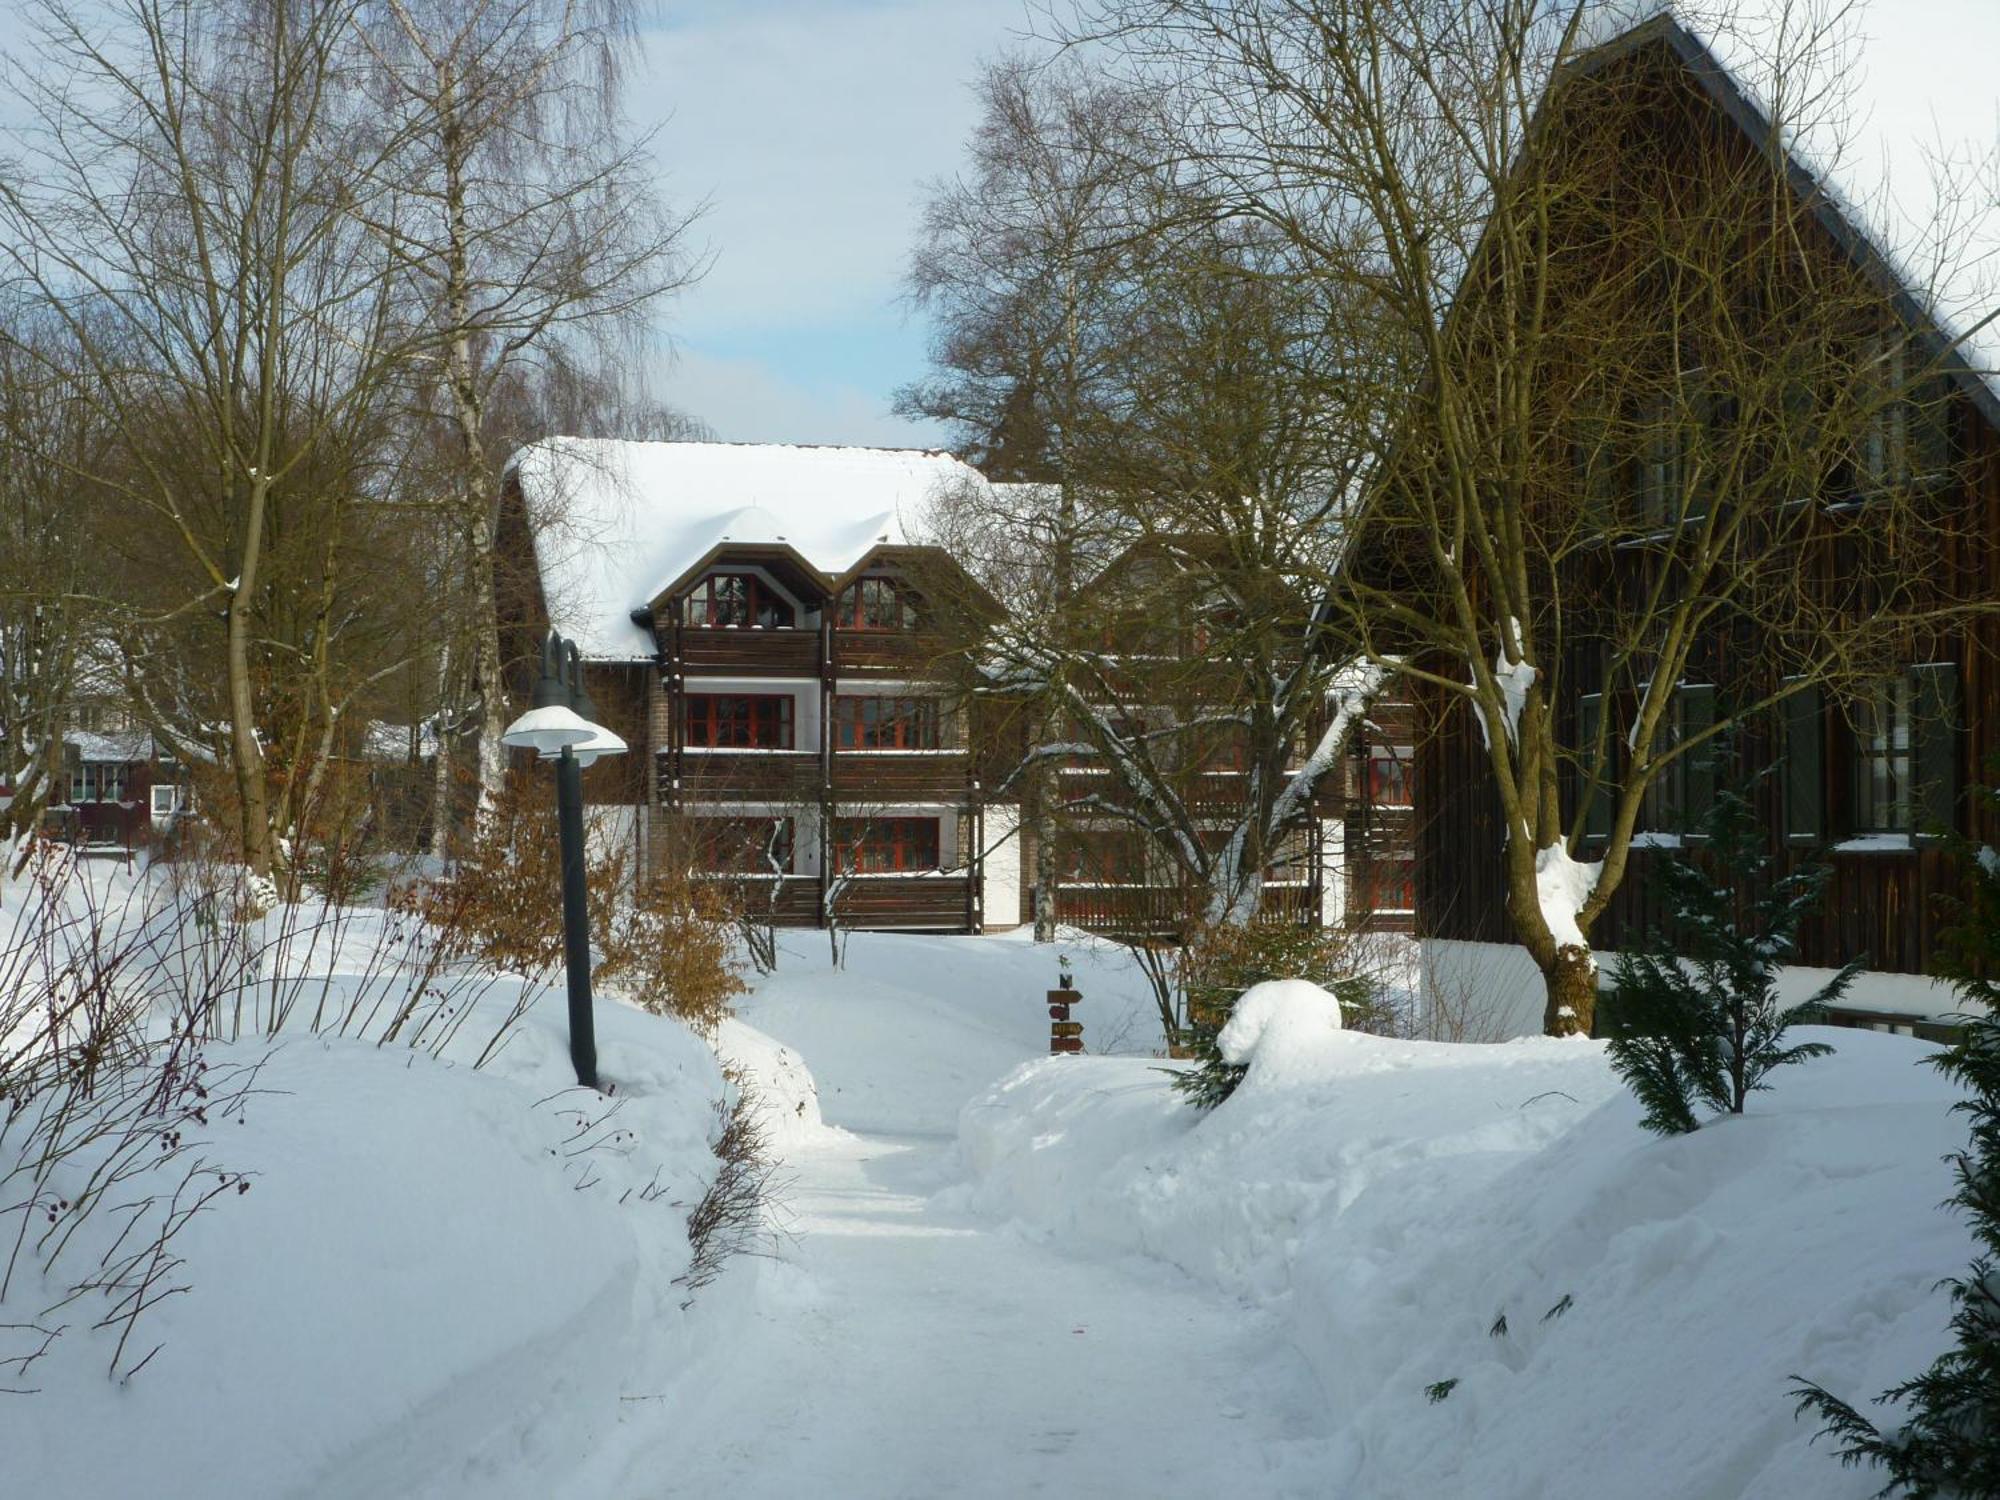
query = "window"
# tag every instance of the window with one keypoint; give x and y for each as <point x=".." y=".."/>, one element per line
<point x="97" y="781"/>
<point x="1678" y="797"/>
<point x="872" y="723"/>
<point x="873" y="846"/>
<point x="168" y="800"/>
<point x="1108" y="856"/>
<point x="1905" y="421"/>
<point x="742" y="846"/>
<point x="739" y="721"/>
<point x="1290" y="860"/>
<point x="1677" y="468"/>
<point x="1389" y="775"/>
<point x="877" y="604"/>
<point x="1883" y="763"/>
<point x="1389" y="885"/>
<point x="738" y="599"/>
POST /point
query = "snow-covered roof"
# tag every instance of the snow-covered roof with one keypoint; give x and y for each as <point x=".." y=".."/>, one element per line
<point x="1896" y="118"/>
<point x="118" y="745"/>
<point x="617" y="523"/>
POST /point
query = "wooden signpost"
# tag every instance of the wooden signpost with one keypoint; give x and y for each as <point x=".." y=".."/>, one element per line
<point x="1065" y="1035"/>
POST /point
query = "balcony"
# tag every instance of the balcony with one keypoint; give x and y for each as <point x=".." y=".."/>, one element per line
<point x="780" y="776"/>
<point x="886" y="653"/>
<point x="890" y="776"/>
<point x="748" y="652"/>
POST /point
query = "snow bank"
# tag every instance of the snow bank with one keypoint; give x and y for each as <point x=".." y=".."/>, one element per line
<point x="1392" y="1200"/>
<point x="784" y="1093"/>
<point x="441" y="1281"/>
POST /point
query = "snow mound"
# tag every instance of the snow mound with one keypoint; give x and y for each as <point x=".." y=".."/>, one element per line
<point x="1418" y="1213"/>
<point x="1279" y="1028"/>
<point x="784" y="1095"/>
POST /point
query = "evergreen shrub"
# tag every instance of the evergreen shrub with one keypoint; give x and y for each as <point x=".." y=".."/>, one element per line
<point x="1694" y="1017"/>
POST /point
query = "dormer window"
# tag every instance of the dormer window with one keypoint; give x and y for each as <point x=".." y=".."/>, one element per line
<point x="877" y="604"/>
<point x="735" y="600"/>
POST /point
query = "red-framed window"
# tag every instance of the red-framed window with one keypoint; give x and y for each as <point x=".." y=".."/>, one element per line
<point x="877" y="604"/>
<point x="740" y="721"/>
<point x="873" y="846"/>
<point x="724" y="600"/>
<point x="1390" y="885"/>
<point x="1390" y="777"/>
<point x="742" y="846"/>
<point x="878" y="723"/>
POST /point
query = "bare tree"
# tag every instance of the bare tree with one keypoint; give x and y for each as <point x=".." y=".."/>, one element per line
<point x="1020" y="264"/>
<point x="1183" y="692"/>
<point x="47" y="618"/>
<point x="188" y="205"/>
<point x="527" y="233"/>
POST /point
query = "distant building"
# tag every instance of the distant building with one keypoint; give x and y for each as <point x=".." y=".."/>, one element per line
<point x="754" y="623"/>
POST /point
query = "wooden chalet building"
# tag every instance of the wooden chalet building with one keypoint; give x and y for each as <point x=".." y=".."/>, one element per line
<point x="750" y="623"/>
<point x="1871" y="770"/>
<point x="754" y="622"/>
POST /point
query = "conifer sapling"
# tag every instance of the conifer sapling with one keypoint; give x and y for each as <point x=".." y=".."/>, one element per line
<point x="1695" y="1016"/>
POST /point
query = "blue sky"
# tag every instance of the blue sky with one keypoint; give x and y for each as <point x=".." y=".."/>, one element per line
<point x="811" y="126"/>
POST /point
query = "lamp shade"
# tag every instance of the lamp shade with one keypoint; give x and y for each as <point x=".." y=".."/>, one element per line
<point x="602" y="742"/>
<point x="548" y="730"/>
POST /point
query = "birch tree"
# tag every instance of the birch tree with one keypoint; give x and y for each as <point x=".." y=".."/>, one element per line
<point x="527" y="234"/>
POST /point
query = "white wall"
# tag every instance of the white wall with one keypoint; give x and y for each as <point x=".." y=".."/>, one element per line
<point x="1497" y="989"/>
<point x="1000" y="897"/>
<point x="1332" y="873"/>
<point x="611" y="829"/>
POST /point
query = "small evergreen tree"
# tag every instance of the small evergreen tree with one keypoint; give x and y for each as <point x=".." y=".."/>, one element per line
<point x="1694" y="1015"/>
<point x="1949" y="1443"/>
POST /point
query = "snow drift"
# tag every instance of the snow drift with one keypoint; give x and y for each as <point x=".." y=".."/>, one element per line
<point x="1620" y="1314"/>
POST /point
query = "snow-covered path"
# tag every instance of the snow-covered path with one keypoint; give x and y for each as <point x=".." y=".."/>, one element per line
<point x="905" y="1351"/>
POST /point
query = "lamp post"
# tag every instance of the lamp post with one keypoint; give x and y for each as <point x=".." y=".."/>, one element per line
<point x="561" y="727"/>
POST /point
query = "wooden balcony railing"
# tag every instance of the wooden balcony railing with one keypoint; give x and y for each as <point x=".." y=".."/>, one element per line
<point x="885" y="653"/>
<point x="750" y="652"/>
<point x="785" y="776"/>
<point x="900" y="775"/>
<point x="933" y="903"/>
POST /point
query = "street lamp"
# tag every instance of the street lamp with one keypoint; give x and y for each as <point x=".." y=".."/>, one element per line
<point x="561" y="726"/>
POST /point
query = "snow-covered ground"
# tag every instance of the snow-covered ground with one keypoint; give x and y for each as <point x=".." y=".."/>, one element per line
<point x="1003" y="1274"/>
<point x="1389" y="1202"/>
<point x="440" y="1280"/>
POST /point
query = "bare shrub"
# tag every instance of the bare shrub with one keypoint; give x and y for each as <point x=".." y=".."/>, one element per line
<point x="670" y="950"/>
<point x="101" y="1096"/>
<point x="666" y="945"/>
<point x="733" y="1216"/>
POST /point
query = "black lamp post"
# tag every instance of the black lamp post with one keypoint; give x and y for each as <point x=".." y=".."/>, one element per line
<point x="561" y="727"/>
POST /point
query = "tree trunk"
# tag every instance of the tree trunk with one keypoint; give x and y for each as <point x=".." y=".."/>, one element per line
<point x="246" y="752"/>
<point x="1045" y="870"/>
<point x="254" y="820"/>
<point x="1571" y="980"/>
<point x="443" y="763"/>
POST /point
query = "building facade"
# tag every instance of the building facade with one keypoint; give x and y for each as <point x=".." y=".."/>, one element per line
<point x="1867" y="771"/>
<point x="758" y="624"/>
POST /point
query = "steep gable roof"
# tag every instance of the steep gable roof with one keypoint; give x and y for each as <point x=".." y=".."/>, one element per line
<point x="1896" y="143"/>
<point x="618" y="524"/>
